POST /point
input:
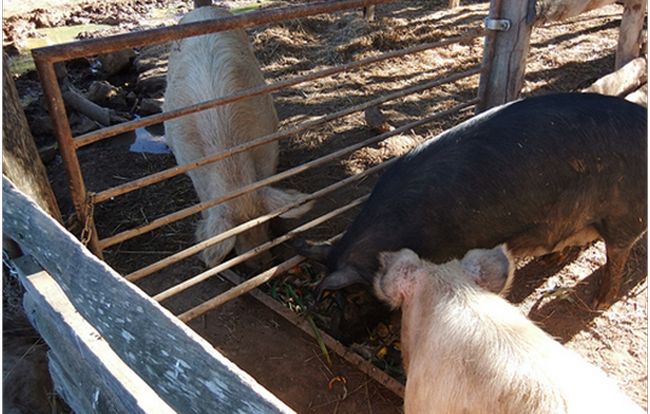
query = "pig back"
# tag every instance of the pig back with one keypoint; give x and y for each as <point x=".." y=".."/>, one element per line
<point x="473" y="352"/>
<point x="210" y="66"/>
<point x="545" y="166"/>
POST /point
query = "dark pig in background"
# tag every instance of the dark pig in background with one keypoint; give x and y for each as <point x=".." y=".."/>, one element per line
<point x="539" y="174"/>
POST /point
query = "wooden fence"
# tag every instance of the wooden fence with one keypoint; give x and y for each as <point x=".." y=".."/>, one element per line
<point x="114" y="349"/>
<point x="505" y="52"/>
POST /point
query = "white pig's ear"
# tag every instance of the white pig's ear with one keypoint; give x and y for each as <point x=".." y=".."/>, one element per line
<point x="491" y="269"/>
<point x="397" y="276"/>
<point x="275" y="198"/>
<point x="404" y="257"/>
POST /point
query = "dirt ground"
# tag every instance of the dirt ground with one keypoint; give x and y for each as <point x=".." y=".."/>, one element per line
<point x="564" y="56"/>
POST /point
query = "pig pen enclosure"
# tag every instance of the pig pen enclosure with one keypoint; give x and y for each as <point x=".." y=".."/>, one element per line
<point x="330" y="71"/>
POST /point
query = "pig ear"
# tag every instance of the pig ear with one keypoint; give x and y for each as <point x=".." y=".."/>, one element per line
<point x="398" y="276"/>
<point x="490" y="269"/>
<point x="405" y="256"/>
<point x="318" y="252"/>
<point x="275" y="198"/>
<point x="340" y="279"/>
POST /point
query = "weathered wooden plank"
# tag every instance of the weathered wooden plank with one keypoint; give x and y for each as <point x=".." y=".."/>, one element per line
<point x="623" y="81"/>
<point x="554" y="10"/>
<point x="20" y="160"/>
<point x="183" y="369"/>
<point x="629" y="38"/>
<point x="504" y="55"/>
<point x="72" y="392"/>
<point x="91" y="377"/>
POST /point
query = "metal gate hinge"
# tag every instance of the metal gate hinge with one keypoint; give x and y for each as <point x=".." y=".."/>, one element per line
<point x="501" y="25"/>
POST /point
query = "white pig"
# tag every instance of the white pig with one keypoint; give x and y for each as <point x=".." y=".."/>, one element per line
<point x="206" y="67"/>
<point x="467" y="350"/>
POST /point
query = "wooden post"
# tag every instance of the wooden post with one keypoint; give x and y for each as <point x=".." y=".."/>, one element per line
<point x="369" y="13"/>
<point x="505" y="52"/>
<point x="20" y="160"/>
<point x="453" y="3"/>
<point x="629" y="40"/>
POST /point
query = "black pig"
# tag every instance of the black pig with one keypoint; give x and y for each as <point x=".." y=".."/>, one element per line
<point x="538" y="174"/>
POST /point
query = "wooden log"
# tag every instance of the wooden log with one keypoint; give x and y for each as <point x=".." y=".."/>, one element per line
<point x="640" y="96"/>
<point x="554" y="10"/>
<point x="453" y="4"/>
<point x="81" y="104"/>
<point x="20" y="160"/>
<point x="630" y="35"/>
<point x="504" y="55"/>
<point x="625" y="80"/>
<point x="92" y="377"/>
<point x="180" y="366"/>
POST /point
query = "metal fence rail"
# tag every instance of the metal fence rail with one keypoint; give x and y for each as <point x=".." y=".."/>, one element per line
<point x="84" y="201"/>
<point x="179" y="215"/>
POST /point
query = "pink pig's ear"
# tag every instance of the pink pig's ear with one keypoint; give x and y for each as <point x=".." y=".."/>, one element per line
<point x="491" y="269"/>
<point x="396" y="279"/>
<point x="403" y="258"/>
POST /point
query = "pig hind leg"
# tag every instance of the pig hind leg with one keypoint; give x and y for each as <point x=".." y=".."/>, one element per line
<point x="619" y="236"/>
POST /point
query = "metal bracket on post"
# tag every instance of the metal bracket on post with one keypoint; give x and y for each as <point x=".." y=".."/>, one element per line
<point x="501" y="25"/>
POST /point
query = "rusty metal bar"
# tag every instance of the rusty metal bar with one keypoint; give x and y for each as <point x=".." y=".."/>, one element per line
<point x="104" y="133"/>
<point x="174" y="171"/>
<point x="240" y="289"/>
<point x="186" y="212"/>
<point x="61" y="125"/>
<point x="201" y="277"/>
<point x="183" y="254"/>
<point x="352" y="357"/>
<point x="90" y="47"/>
